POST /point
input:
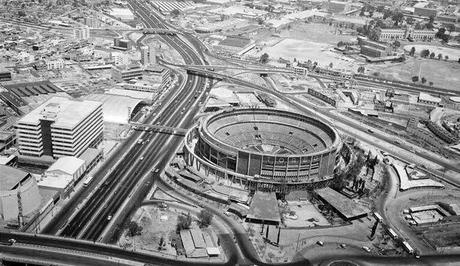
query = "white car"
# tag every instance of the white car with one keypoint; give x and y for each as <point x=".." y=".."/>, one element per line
<point x="109" y="217"/>
<point x="367" y="249"/>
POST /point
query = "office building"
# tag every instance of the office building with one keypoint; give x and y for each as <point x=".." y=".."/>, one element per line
<point x="121" y="44"/>
<point x="60" y="127"/>
<point x="125" y="73"/>
<point x="148" y="55"/>
<point x="55" y="64"/>
<point x="81" y="33"/>
<point x="5" y="75"/>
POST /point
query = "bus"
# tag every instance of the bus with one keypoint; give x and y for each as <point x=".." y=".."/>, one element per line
<point x="378" y="217"/>
<point x="407" y="247"/>
<point x="392" y="234"/>
<point x="88" y="180"/>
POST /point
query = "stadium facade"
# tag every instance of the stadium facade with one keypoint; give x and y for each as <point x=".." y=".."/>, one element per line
<point x="265" y="149"/>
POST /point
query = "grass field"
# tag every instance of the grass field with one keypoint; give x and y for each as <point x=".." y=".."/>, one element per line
<point x="441" y="73"/>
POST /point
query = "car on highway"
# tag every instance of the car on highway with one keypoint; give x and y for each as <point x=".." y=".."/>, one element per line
<point x="320" y="243"/>
<point x="109" y="217"/>
<point x="370" y="131"/>
<point x="367" y="249"/>
<point x="142" y="158"/>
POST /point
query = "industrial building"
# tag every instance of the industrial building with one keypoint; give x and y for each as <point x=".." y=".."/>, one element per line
<point x="19" y="195"/>
<point x="60" y="127"/>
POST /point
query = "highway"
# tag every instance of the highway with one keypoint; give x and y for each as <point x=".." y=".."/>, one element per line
<point x="142" y="151"/>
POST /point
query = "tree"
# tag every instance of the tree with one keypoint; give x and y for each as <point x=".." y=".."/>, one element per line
<point x="134" y="229"/>
<point x="331" y="65"/>
<point x="439" y="56"/>
<point x="410" y="20"/>
<point x="340" y="44"/>
<point x="361" y="69"/>
<point x="414" y="79"/>
<point x="431" y="83"/>
<point x="183" y="222"/>
<point x="412" y="51"/>
<point x="423" y="80"/>
<point x="175" y="13"/>
<point x="445" y="38"/>
<point x="260" y="20"/>
<point x="441" y="32"/>
<point x="446" y="57"/>
<point x="425" y="53"/>
<point x="396" y="44"/>
<point x="205" y="218"/>
<point x="397" y="17"/>
<point x="264" y="58"/>
<point x="432" y="55"/>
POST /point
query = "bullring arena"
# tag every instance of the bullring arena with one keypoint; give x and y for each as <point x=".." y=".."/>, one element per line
<point x="264" y="149"/>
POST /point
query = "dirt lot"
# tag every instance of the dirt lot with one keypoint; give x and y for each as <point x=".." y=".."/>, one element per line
<point x="155" y="224"/>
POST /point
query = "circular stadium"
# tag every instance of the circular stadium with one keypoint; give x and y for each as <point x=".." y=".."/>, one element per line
<point x="264" y="149"/>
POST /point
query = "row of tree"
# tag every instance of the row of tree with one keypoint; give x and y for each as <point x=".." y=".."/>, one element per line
<point x="185" y="221"/>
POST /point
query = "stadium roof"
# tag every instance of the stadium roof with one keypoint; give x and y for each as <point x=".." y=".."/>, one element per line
<point x="65" y="112"/>
<point x="10" y="177"/>
<point x="116" y="108"/>
<point x="66" y="164"/>
<point x="264" y="209"/>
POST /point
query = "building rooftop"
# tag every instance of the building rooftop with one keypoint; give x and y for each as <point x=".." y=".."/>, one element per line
<point x="67" y="164"/>
<point x="10" y="177"/>
<point x="89" y="155"/>
<point x="427" y="97"/>
<point x="55" y="182"/>
<point x="116" y="108"/>
<point x="345" y="206"/>
<point x="264" y="207"/>
<point x="65" y="112"/>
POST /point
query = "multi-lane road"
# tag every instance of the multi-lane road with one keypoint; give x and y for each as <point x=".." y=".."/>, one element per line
<point x="143" y="153"/>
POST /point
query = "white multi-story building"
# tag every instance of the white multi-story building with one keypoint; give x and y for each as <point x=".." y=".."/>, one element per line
<point x="55" y="64"/>
<point x="81" y="33"/>
<point x="148" y="55"/>
<point x="120" y="58"/>
<point x="389" y="35"/>
<point x="127" y="72"/>
<point x="60" y="127"/>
